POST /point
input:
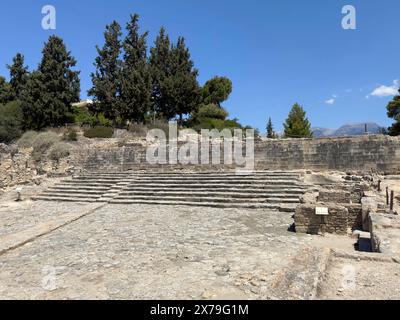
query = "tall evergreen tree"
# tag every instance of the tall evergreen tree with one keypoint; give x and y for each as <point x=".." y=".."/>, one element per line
<point x="160" y="66"/>
<point x="52" y="88"/>
<point x="135" y="78"/>
<point x="18" y="75"/>
<point x="393" y="109"/>
<point x="270" y="129"/>
<point x="181" y="87"/>
<point x="106" y="80"/>
<point x="5" y="91"/>
<point x="297" y="125"/>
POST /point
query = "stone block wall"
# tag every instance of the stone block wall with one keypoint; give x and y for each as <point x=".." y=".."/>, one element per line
<point x="340" y="220"/>
<point x="375" y="153"/>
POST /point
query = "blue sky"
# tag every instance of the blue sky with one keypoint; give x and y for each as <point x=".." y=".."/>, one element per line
<point x="275" y="52"/>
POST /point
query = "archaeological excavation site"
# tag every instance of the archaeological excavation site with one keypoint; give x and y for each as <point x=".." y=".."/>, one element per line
<point x="315" y="219"/>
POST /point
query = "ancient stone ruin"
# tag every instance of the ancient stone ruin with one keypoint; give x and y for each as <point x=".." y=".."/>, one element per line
<point x="312" y="212"/>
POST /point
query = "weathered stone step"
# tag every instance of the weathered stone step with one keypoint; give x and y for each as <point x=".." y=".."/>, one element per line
<point x="210" y="193"/>
<point x="209" y="199"/>
<point x="189" y="173"/>
<point x="79" y="191"/>
<point x="209" y="182"/>
<point x="201" y="204"/>
<point x="64" y="199"/>
<point x="280" y="190"/>
<point x="79" y="188"/>
<point x="74" y="195"/>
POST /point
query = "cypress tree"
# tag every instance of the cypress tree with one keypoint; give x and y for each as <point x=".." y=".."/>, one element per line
<point x="160" y="66"/>
<point x="135" y="77"/>
<point x="18" y="75"/>
<point x="270" y="130"/>
<point x="52" y="88"/>
<point x="182" y="89"/>
<point x="106" y="88"/>
<point x="297" y="125"/>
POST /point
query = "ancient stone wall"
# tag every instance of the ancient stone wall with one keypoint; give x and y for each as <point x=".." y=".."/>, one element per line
<point x="375" y="153"/>
<point x="341" y="219"/>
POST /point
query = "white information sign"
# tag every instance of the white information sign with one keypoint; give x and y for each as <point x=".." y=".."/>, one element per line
<point x="321" y="211"/>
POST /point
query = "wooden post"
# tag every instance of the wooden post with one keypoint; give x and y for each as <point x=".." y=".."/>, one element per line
<point x="392" y="201"/>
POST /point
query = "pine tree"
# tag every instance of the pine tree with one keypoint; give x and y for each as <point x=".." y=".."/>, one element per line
<point x="297" y="125"/>
<point x="18" y="75"/>
<point x="135" y="77"/>
<point x="217" y="90"/>
<point x="160" y="66"/>
<point x="270" y="130"/>
<point x="182" y="90"/>
<point x="393" y="109"/>
<point x="51" y="89"/>
<point x="106" y="88"/>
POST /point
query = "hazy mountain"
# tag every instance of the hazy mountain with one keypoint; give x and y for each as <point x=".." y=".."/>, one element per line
<point x="347" y="130"/>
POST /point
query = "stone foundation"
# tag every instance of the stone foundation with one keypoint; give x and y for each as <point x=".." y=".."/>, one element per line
<point x="341" y="219"/>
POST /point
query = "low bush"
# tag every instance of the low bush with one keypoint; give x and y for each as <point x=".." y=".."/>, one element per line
<point x="83" y="116"/>
<point x="211" y="111"/>
<point x="59" y="151"/>
<point x="99" y="132"/>
<point x="26" y="141"/>
<point x="70" y="135"/>
<point x="42" y="143"/>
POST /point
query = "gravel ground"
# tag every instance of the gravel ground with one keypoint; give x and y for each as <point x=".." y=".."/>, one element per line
<point x="350" y="279"/>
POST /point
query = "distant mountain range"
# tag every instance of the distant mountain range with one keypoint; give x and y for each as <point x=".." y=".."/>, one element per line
<point x="347" y="130"/>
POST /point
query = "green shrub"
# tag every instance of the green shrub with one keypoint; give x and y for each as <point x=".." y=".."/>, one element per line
<point x="42" y="143"/>
<point x="59" y="151"/>
<point x="83" y="116"/>
<point x="210" y="124"/>
<point x="211" y="111"/>
<point x="26" y="141"/>
<point x="10" y="122"/>
<point x="70" y="135"/>
<point x="99" y="132"/>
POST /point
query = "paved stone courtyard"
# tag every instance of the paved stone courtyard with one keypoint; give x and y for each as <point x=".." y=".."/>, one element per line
<point x="162" y="252"/>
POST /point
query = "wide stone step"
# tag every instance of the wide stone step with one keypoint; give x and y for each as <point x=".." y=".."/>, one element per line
<point x="64" y="199"/>
<point x="74" y="195"/>
<point x="216" y="179"/>
<point x="213" y="182"/>
<point x="78" y="191"/>
<point x="280" y="190"/>
<point x="199" y="204"/>
<point x="79" y="188"/>
<point x="209" y="199"/>
<point x="210" y="193"/>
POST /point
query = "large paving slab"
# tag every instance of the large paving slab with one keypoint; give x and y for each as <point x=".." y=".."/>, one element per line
<point x="155" y="252"/>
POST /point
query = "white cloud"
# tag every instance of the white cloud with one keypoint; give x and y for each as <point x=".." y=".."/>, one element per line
<point x="386" y="91"/>
<point x="330" y="101"/>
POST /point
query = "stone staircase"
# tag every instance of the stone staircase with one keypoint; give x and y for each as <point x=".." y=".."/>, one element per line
<point x="226" y="189"/>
